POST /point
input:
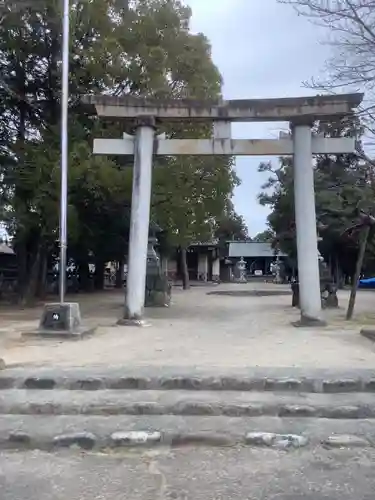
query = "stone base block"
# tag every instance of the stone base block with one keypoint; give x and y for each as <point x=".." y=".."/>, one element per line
<point x="133" y="322"/>
<point x="307" y="321"/>
<point x="158" y="298"/>
<point x="328" y="294"/>
<point x="158" y="291"/>
<point x="369" y="333"/>
<point x="61" y="320"/>
<point x="202" y="276"/>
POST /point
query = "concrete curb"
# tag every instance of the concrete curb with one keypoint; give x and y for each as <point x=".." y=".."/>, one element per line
<point x="96" y="432"/>
<point x="18" y="440"/>
<point x="185" y="403"/>
<point x="200" y="409"/>
<point x="79" y="334"/>
<point x="188" y="383"/>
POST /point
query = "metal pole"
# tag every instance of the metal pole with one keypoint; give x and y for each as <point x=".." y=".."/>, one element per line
<point x="64" y="150"/>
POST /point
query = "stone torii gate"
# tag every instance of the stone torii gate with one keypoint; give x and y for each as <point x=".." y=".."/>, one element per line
<point x="301" y="112"/>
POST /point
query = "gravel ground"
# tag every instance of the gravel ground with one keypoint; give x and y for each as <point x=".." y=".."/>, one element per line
<point x="200" y="330"/>
<point x="190" y="473"/>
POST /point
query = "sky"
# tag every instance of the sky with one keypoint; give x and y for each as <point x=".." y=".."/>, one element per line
<point x="262" y="49"/>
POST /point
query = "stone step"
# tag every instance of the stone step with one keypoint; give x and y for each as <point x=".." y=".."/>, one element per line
<point x="190" y="378"/>
<point x="101" y="432"/>
<point x="173" y="402"/>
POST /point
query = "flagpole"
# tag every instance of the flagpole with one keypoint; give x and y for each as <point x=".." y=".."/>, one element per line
<point x="64" y="151"/>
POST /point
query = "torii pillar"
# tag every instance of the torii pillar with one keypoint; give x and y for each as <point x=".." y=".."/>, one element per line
<point x="139" y="221"/>
<point x="301" y="112"/>
<point x="307" y="237"/>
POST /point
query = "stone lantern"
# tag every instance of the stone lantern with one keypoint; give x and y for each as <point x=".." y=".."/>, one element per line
<point x="241" y="268"/>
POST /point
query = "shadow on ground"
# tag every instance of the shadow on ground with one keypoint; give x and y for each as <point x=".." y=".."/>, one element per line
<point x="250" y="293"/>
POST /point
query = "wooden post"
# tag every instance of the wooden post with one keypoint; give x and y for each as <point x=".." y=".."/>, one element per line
<point x="361" y="254"/>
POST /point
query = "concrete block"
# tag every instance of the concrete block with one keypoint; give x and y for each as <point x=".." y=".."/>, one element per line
<point x="342" y="385"/>
<point x="19" y="438"/>
<point x="281" y="441"/>
<point x="131" y="438"/>
<point x="85" y="440"/>
<point x="306" y="321"/>
<point x="345" y="441"/>
<point x="39" y="383"/>
<point x="61" y="320"/>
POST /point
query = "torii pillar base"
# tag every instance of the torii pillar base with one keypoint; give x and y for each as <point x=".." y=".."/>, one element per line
<point x="307" y="321"/>
<point x="61" y="321"/>
<point x="133" y="322"/>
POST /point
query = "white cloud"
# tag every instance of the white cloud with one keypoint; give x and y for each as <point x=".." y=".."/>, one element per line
<point x="263" y="49"/>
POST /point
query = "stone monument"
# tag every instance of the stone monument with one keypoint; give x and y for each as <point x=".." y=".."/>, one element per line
<point x="276" y="270"/>
<point x="61" y="320"/>
<point x="158" y="289"/>
<point x="328" y="289"/>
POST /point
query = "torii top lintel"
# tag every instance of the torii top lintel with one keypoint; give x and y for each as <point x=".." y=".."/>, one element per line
<point x="320" y="107"/>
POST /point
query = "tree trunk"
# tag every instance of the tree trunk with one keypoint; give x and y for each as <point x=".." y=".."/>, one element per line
<point x="21" y="254"/>
<point x="358" y="268"/>
<point x="184" y="270"/>
<point x="164" y="265"/>
<point x="336" y="272"/>
<point x="84" y="275"/>
<point x="32" y="283"/>
<point x="340" y="278"/>
<point x="42" y="275"/>
<point x="99" y="275"/>
<point x="120" y="274"/>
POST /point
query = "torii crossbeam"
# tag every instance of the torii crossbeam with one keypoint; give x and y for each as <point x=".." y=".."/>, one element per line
<point x="300" y="112"/>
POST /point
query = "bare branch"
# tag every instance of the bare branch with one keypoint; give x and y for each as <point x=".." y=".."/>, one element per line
<point x="350" y="26"/>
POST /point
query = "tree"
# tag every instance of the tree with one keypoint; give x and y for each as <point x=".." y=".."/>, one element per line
<point x="30" y="59"/>
<point x="365" y="228"/>
<point x="143" y="47"/>
<point x="266" y="236"/>
<point x="277" y="194"/>
<point x="230" y="225"/>
<point x="343" y="183"/>
<point x="192" y="193"/>
<point x="190" y="196"/>
<point x="351" y="26"/>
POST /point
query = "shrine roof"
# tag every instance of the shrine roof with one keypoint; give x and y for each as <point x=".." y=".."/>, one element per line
<point x="251" y="249"/>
